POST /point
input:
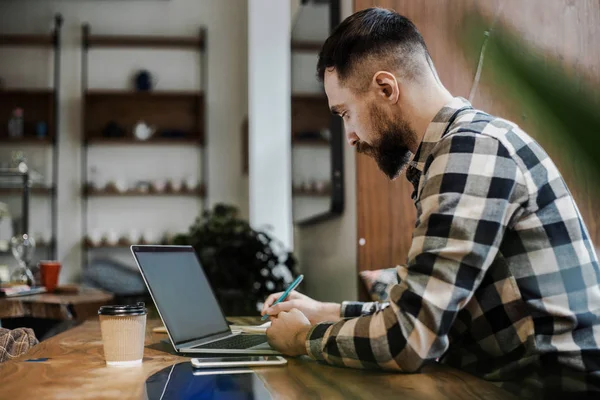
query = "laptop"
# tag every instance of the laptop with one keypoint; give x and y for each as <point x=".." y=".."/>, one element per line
<point x="187" y="304"/>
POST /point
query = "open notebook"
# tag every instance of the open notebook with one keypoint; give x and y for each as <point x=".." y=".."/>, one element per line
<point x="21" y="290"/>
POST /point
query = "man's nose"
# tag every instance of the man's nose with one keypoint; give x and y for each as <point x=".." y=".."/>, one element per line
<point x="352" y="138"/>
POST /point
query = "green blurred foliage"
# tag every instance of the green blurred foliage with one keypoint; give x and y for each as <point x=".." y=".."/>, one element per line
<point x="564" y="104"/>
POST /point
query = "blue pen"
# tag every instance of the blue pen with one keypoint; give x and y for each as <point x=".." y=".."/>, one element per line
<point x="285" y="294"/>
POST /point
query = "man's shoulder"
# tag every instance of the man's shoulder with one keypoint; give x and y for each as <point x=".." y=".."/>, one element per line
<point x="479" y="125"/>
<point x="477" y="122"/>
<point x="501" y="139"/>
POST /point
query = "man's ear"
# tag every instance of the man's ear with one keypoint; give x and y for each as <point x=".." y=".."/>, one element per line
<point x="386" y="85"/>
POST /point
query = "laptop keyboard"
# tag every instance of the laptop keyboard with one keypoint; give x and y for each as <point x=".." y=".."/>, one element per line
<point x="235" y="342"/>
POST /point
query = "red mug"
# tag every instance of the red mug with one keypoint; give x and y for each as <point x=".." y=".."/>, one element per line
<point x="49" y="271"/>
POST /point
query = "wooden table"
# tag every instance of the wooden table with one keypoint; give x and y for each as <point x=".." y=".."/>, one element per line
<point x="76" y="370"/>
<point x="58" y="306"/>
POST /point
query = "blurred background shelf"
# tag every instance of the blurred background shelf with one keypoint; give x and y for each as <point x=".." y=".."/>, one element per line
<point x="136" y="95"/>
<point x="129" y="41"/>
<point x="26" y="40"/>
<point x="113" y="192"/>
<point x="110" y="117"/>
<point x="322" y="142"/>
<point x="43" y="244"/>
<point x="317" y="152"/>
<point x="17" y="190"/>
<point x="193" y="139"/>
<point x="43" y="249"/>
<point x="38" y="106"/>
<point x="176" y="111"/>
<point x="26" y="141"/>
<point x="307" y="45"/>
<point x="310" y="112"/>
<point x="105" y="246"/>
<point x="40" y="118"/>
<point x="121" y="244"/>
<point x="299" y="192"/>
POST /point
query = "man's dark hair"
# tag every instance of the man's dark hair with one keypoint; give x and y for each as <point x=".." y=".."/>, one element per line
<point x="375" y="32"/>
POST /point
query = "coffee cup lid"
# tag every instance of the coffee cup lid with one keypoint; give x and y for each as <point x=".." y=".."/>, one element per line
<point x="138" y="309"/>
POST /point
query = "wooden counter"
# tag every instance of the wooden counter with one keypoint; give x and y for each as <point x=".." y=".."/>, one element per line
<point x="76" y="370"/>
<point x="59" y="306"/>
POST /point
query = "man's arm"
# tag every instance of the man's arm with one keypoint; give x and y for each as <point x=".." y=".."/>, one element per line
<point x="351" y="309"/>
<point x="462" y="218"/>
<point x="317" y="311"/>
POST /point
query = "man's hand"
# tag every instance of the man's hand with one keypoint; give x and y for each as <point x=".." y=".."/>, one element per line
<point x="315" y="311"/>
<point x="288" y="332"/>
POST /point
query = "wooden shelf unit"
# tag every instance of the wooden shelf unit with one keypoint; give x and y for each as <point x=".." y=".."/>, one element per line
<point x="36" y="190"/>
<point x="194" y="139"/>
<point x="121" y="244"/>
<point x="310" y="113"/>
<point x="310" y="116"/>
<point x="104" y="245"/>
<point x="26" y="40"/>
<point x="173" y="111"/>
<point x="26" y="141"/>
<point x="312" y="192"/>
<point x="113" y="192"/>
<point x="178" y="117"/>
<point x="39" y="105"/>
<point x="311" y="46"/>
<point x="152" y="42"/>
<point x="42" y="244"/>
<point x="297" y="141"/>
<point x="168" y="94"/>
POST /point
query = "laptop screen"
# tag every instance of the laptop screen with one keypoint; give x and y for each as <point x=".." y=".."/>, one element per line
<point x="181" y="292"/>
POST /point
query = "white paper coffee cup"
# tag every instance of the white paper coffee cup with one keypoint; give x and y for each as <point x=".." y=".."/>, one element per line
<point x="123" y="334"/>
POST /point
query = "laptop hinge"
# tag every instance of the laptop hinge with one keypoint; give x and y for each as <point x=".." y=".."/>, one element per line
<point x="208" y="339"/>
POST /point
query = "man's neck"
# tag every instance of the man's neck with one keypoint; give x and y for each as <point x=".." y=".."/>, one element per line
<point x="423" y="106"/>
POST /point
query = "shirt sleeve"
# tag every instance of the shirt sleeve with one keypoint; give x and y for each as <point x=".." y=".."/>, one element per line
<point x="467" y="198"/>
<point x="352" y="309"/>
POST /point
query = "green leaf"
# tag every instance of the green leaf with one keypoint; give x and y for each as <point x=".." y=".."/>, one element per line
<point x="565" y="109"/>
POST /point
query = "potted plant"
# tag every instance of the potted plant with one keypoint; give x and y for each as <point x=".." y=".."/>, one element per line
<point x="243" y="265"/>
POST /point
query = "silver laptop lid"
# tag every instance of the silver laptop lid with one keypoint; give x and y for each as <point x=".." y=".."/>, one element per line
<point x="181" y="292"/>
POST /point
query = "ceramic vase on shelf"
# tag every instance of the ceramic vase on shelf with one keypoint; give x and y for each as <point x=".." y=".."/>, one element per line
<point x="142" y="131"/>
<point x="176" y="185"/>
<point x="15" y="124"/>
<point x="23" y="248"/>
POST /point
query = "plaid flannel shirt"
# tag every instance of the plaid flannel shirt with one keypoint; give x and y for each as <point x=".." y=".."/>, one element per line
<point x="502" y="278"/>
<point x="16" y="342"/>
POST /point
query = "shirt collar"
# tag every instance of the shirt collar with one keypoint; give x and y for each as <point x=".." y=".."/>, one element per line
<point x="436" y="129"/>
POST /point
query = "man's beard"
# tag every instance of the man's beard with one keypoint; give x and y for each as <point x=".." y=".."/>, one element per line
<point x="390" y="148"/>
